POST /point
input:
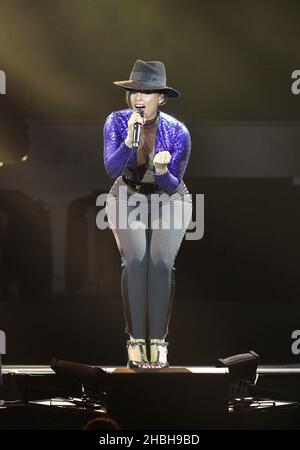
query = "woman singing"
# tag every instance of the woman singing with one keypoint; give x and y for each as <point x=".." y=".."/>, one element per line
<point x="148" y="168"/>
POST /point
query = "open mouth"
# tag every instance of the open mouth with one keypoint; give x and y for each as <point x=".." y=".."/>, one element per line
<point x="139" y="105"/>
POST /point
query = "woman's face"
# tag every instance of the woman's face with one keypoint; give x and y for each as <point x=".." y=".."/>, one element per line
<point x="148" y="99"/>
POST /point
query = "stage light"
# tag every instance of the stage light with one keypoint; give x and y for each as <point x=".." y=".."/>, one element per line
<point x="93" y="380"/>
<point x="242" y="374"/>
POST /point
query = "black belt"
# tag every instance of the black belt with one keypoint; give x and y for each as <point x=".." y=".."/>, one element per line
<point x="142" y="188"/>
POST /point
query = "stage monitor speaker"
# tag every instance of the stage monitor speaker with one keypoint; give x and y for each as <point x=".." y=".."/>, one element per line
<point x="26" y="387"/>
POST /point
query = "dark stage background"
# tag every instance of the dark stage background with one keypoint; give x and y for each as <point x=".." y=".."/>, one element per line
<point x="237" y="288"/>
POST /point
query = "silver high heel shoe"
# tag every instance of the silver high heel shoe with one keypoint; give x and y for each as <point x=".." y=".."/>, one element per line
<point x="137" y="358"/>
<point x="159" y="353"/>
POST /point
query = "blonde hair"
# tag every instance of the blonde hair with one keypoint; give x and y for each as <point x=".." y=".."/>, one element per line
<point x="128" y="93"/>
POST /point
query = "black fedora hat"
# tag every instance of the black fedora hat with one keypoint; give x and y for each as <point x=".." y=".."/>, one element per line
<point x="148" y="76"/>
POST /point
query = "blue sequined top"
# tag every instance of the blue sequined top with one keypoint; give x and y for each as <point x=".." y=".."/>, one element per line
<point x="172" y="135"/>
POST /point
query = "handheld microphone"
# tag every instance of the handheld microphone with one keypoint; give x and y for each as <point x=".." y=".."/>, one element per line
<point x="137" y="130"/>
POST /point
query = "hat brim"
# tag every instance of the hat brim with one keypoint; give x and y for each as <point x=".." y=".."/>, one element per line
<point x="144" y="86"/>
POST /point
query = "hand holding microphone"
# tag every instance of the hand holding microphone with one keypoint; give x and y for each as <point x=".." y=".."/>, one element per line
<point x="134" y="128"/>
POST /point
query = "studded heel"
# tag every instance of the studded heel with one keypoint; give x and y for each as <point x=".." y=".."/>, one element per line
<point x="159" y="353"/>
<point x="137" y="358"/>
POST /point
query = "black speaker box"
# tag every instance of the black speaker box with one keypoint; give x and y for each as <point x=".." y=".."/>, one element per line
<point x="168" y="398"/>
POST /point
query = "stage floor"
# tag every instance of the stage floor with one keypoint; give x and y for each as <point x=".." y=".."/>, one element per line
<point x="262" y="369"/>
<point x="198" y="401"/>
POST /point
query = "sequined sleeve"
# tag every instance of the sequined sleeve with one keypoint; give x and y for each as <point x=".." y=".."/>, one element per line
<point x="180" y="152"/>
<point x="117" y="155"/>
